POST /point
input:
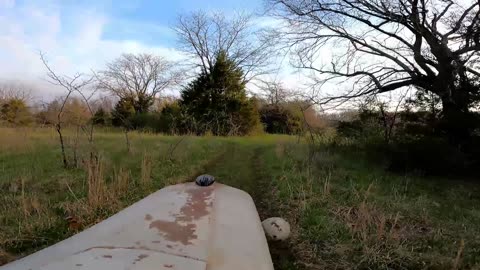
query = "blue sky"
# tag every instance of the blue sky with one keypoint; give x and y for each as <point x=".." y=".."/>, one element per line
<point x="84" y="35"/>
<point x="149" y="21"/>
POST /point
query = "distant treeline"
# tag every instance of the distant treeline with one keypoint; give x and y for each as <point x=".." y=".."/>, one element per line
<point x="215" y="102"/>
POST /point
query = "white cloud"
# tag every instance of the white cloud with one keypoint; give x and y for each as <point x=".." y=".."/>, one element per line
<point x="71" y="42"/>
<point x="74" y="40"/>
<point x="4" y="4"/>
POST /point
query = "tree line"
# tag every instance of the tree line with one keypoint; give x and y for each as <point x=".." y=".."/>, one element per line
<point x="224" y="56"/>
<point x="215" y="102"/>
<point x="363" y="49"/>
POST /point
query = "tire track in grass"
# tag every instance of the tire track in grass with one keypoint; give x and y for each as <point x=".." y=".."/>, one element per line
<point x="209" y="165"/>
<point x="243" y="167"/>
<point x="281" y="252"/>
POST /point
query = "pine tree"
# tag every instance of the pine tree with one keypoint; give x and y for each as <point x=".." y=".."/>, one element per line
<point x="217" y="101"/>
<point x="123" y="113"/>
<point x="101" y="118"/>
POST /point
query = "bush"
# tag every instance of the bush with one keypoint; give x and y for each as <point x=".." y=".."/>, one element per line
<point x="101" y="118"/>
<point x="277" y="119"/>
<point x="417" y="145"/>
<point x="367" y="129"/>
<point x="430" y="156"/>
<point x="170" y="120"/>
<point x="144" y="121"/>
<point x="15" y="112"/>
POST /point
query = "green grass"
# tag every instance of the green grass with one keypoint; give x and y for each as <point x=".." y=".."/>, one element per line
<point x="354" y="215"/>
<point x="38" y="194"/>
<point x="345" y="213"/>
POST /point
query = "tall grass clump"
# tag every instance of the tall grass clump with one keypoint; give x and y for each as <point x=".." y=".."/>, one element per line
<point x="146" y="169"/>
<point x="97" y="188"/>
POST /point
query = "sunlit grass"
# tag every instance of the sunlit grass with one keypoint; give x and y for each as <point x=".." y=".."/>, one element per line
<point x="346" y="213"/>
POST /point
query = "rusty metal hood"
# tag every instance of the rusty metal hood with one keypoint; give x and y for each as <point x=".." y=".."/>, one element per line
<point x="184" y="227"/>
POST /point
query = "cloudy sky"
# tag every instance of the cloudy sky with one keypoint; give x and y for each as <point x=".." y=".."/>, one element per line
<point x="81" y="35"/>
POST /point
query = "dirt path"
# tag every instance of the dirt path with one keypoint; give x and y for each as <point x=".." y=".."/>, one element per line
<point x="243" y="167"/>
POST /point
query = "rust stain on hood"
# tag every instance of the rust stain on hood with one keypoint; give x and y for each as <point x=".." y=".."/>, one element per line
<point x="175" y="232"/>
<point x="183" y="228"/>
<point x="197" y="204"/>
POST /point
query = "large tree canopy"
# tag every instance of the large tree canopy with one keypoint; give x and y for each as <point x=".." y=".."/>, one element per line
<point x="204" y="35"/>
<point x="383" y="45"/>
<point x="140" y="77"/>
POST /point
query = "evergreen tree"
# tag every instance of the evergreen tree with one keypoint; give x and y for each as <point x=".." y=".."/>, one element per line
<point x="123" y="113"/>
<point x="171" y="119"/>
<point x="101" y="118"/>
<point x="217" y="101"/>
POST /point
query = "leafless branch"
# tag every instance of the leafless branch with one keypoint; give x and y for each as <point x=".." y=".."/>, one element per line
<point x="203" y="36"/>
<point x="71" y="84"/>
<point x="138" y="75"/>
<point x="380" y="46"/>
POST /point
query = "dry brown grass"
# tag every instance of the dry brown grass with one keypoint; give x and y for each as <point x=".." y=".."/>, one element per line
<point x="370" y="225"/>
<point x="280" y="150"/>
<point x="5" y="257"/>
<point x="146" y="169"/>
<point x="31" y="205"/>
<point x="327" y="187"/>
<point x="15" y="139"/>
<point x="121" y="181"/>
<point x="97" y="188"/>
<point x="43" y="203"/>
<point x="458" y="259"/>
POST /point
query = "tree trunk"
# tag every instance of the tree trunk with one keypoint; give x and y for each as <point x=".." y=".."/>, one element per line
<point x="456" y="120"/>
<point x="127" y="140"/>
<point x="62" y="146"/>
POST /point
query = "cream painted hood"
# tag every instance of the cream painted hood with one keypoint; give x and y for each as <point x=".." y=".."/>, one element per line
<point x="185" y="227"/>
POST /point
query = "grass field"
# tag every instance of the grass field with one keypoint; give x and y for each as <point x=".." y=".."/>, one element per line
<point x="346" y="213"/>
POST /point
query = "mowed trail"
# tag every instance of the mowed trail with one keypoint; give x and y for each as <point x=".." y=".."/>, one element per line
<point x="243" y="166"/>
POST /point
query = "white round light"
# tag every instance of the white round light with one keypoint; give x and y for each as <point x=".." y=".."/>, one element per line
<point x="276" y="229"/>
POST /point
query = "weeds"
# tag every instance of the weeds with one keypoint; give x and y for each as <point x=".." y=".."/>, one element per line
<point x="344" y="213"/>
<point x="97" y="188"/>
<point x="146" y="169"/>
<point x="5" y="257"/>
<point x="121" y="181"/>
<point x="348" y="214"/>
<point x="43" y="203"/>
<point x="457" y="261"/>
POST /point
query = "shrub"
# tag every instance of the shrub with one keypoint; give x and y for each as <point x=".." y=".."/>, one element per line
<point x="418" y="145"/>
<point x="428" y="155"/>
<point x="170" y="119"/>
<point x="101" y="118"/>
<point x="277" y="119"/>
<point x="15" y="112"/>
<point x="216" y="101"/>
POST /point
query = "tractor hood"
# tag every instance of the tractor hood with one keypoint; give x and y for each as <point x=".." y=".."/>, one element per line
<point x="185" y="227"/>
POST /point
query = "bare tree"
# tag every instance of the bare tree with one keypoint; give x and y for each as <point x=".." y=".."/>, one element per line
<point x="273" y="92"/>
<point x="15" y="90"/>
<point x="75" y="84"/>
<point x="138" y="76"/>
<point x="382" y="45"/>
<point x="106" y="103"/>
<point x="204" y="36"/>
<point x="388" y="115"/>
